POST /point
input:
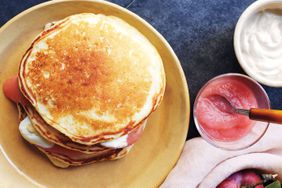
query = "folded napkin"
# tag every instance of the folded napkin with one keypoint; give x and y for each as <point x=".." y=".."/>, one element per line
<point x="202" y="165"/>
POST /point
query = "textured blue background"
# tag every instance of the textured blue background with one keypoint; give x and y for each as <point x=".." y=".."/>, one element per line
<point x="199" y="31"/>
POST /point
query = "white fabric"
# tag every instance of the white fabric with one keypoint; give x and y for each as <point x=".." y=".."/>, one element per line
<point x="202" y="165"/>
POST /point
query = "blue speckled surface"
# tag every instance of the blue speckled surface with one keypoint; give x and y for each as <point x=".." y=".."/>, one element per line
<point x="200" y="32"/>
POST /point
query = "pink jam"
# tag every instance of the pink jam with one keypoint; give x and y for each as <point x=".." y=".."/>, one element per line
<point x="215" y="115"/>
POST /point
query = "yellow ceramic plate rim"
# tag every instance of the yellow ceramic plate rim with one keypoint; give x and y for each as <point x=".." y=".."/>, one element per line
<point x="159" y="36"/>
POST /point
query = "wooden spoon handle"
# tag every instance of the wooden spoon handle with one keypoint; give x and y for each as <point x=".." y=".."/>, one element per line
<point x="273" y="116"/>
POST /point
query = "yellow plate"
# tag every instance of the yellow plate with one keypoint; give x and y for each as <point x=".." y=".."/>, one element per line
<point x="153" y="156"/>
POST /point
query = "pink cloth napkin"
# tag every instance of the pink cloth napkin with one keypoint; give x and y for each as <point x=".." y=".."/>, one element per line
<point x="202" y="165"/>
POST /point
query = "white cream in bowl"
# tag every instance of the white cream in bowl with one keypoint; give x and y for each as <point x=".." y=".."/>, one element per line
<point x="258" y="42"/>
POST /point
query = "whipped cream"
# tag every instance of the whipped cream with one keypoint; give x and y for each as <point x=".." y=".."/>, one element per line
<point x="121" y="142"/>
<point x="261" y="45"/>
<point x="31" y="135"/>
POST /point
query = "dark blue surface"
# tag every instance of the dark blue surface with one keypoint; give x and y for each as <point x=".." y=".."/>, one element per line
<point x="199" y="31"/>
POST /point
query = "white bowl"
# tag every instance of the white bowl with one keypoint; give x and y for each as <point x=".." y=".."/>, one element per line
<point x="244" y="20"/>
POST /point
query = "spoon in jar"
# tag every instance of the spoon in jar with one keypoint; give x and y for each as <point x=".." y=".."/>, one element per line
<point x="267" y="115"/>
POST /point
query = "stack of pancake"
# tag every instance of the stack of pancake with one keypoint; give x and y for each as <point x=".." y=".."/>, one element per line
<point x="91" y="81"/>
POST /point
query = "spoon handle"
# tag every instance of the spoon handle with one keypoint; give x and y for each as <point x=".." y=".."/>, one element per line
<point x="273" y="116"/>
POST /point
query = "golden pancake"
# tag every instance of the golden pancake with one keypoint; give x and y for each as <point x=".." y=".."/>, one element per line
<point x="63" y="161"/>
<point x="92" y="77"/>
<point x="54" y="136"/>
<point x="63" y="157"/>
<point x="21" y="112"/>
